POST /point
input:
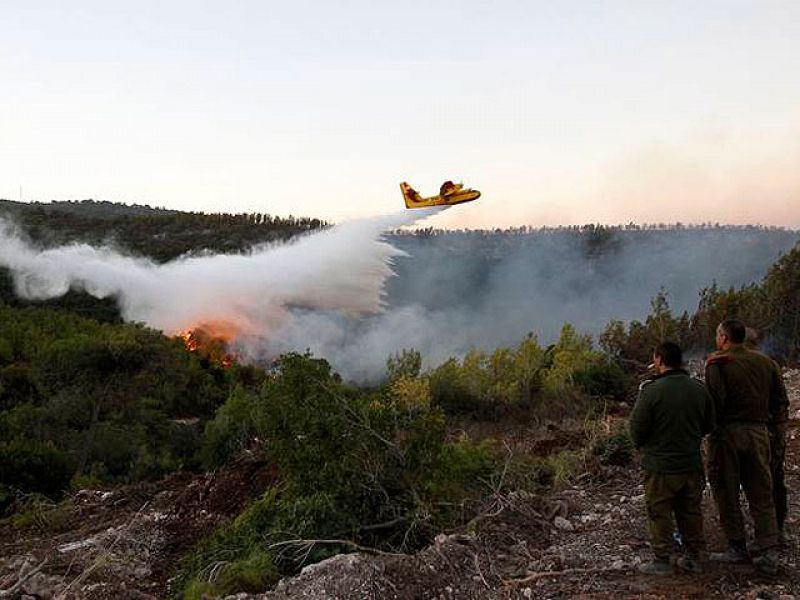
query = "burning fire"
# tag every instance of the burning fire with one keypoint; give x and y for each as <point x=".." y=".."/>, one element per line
<point x="211" y="340"/>
<point x="189" y="340"/>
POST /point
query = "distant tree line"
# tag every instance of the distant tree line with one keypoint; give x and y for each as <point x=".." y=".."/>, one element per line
<point x="588" y="228"/>
<point x="771" y="307"/>
<point x="158" y="234"/>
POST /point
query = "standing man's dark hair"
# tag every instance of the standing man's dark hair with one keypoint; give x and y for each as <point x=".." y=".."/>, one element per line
<point x="734" y="330"/>
<point x="749" y="398"/>
<point x="672" y="414"/>
<point x="670" y="353"/>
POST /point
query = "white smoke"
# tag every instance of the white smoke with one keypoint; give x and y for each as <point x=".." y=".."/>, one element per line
<point x="327" y="291"/>
<point x="342" y="269"/>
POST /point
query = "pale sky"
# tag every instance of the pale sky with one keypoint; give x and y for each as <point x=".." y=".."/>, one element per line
<point x="559" y="112"/>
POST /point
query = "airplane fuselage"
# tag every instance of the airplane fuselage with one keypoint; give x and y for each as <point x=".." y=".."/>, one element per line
<point x="414" y="200"/>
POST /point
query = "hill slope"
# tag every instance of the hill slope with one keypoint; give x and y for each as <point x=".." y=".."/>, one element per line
<point x="584" y="540"/>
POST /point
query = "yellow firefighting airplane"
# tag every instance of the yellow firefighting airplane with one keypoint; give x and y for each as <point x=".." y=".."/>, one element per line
<point x="449" y="193"/>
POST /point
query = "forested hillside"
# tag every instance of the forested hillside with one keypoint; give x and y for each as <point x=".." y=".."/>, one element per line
<point x="157" y="233"/>
<point x="235" y="475"/>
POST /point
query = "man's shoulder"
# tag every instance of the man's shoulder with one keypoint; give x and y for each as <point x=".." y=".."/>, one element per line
<point x="753" y="359"/>
<point x="761" y="358"/>
<point x="647" y="385"/>
<point x="653" y="384"/>
<point x="678" y="381"/>
<point x="720" y="357"/>
<point x="696" y="383"/>
<point x="699" y="390"/>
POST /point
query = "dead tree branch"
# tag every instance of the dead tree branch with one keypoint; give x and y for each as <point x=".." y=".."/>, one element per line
<point x="14" y="589"/>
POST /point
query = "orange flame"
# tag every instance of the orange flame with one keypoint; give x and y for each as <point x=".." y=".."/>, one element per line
<point x="211" y="339"/>
<point x="189" y="340"/>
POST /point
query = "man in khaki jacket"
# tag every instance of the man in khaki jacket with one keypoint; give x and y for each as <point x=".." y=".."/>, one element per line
<point x="748" y="396"/>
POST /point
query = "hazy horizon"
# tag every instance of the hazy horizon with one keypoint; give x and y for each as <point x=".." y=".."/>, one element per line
<point x="560" y="114"/>
<point x="430" y="221"/>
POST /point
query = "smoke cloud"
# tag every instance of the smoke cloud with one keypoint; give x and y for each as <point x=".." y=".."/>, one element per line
<point x="341" y="269"/>
<point x="458" y="291"/>
<point x="354" y="295"/>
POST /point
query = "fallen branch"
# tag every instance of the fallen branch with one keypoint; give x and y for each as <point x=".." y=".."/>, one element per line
<point x="577" y="571"/>
<point x="385" y="525"/>
<point x="14" y="589"/>
<point x="478" y="569"/>
<point x="509" y="457"/>
<point x="102" y="557"/>
<point x="349" y="543"/>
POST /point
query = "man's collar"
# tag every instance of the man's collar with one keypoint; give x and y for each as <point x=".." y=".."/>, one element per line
<point x="675" y="371"/>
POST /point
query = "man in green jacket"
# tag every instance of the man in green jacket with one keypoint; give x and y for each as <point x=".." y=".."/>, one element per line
<point x="749" y="396"/>
<point x="668" y="422"/>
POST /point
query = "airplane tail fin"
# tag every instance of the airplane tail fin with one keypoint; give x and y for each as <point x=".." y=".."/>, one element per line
<point x="410" y="195"/>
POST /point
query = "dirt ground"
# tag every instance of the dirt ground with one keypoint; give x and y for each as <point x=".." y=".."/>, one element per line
<point x="584" y="541"/>
<point x="124" y="543"/>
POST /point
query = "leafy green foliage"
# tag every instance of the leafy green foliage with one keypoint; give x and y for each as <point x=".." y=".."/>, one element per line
<point x="407" y="362"/>
<point x="113" y="402"/>
<point x="782" y="289"/>
<point x="571" y="353"/>
<point x="237" y="548"/>
<point x="486" y="384"/>
<point x="366" y="466"/>
<point x="637" y="342"/>
<point x="604" y="379"/>
<point x="231" y="430"/>
<point x="527" y="376"/>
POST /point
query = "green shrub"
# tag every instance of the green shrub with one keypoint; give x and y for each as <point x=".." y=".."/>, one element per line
<point x="231" y="429"/>
<point x="7" y="497"/>
<point x="35" y="510"/>
<point x="252" y="573"/>
<point x="462" y="466"/>
<point x="369" y="466"/>
<point x="615" y="448"/>
<point x="522" y="472"/>
<point x="120" y="401"/>
<point x="407" y="362"/>
<point x="564" y="466"/>
<point x="240" y="557"/>
<point x="228" y="545"/>
<point x="603" y="379"/>
<point x="32" y="466"/>
<point x="6" y="351"/>
<point x="570" y="354"/>
<point x="450" y="393"/>
<point x="16" y="386"/>
<point x="198" y="590"/>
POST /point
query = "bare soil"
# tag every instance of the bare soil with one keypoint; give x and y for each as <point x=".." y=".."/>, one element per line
<point x="124" y="543"/>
